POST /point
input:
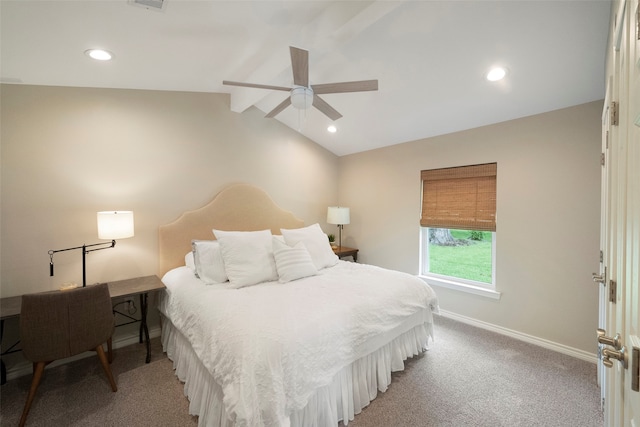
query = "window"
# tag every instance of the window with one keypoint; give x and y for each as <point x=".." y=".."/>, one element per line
<point x="458" y="224"/>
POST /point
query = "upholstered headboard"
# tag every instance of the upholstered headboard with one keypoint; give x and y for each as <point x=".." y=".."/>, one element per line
<point x="239" y="207"/>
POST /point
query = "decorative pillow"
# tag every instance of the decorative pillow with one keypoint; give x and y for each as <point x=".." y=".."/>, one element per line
<point x="189" y="260"/>
<point x="316" y="242"/>
<point x="292" y="263"/>
<point x="248" y="257"/>
<point x="208" y="262"/>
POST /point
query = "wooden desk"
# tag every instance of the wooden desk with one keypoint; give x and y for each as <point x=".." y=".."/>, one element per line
<point x="343" y="251"/>
<point x="10" y="307"/>
<point x="138" y="286"/>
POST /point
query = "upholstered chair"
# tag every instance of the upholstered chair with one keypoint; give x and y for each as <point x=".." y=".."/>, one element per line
<point x="60" y="324"/>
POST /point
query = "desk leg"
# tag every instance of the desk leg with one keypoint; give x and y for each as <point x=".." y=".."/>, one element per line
<point x="143" y="324"/>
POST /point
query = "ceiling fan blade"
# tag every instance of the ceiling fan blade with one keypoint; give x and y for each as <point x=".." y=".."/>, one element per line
<point x="300" y="65"/>
<point x="284" y="104"/>
<point x="358" y="86"/>
<point x="325" y="108"/>
<point x="255" y="85"/>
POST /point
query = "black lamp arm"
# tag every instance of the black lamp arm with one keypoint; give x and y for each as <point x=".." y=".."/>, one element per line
<point x="111" y="244"/>
<point x="85" y="251"/>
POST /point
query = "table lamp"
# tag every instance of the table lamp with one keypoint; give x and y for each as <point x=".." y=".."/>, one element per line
<point x="339" y="216"/>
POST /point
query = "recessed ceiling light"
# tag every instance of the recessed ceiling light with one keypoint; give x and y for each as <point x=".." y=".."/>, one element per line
<point x="496" y="73"/>
<point x="332" y="129"/>
<point x="99" y="54"/>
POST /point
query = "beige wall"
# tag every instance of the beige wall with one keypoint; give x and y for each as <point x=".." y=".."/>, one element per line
<point x="548" y="210"/>
<point x="70" y="152"/>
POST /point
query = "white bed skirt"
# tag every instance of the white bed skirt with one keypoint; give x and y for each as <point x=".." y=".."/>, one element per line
<point x="352" y="388"/>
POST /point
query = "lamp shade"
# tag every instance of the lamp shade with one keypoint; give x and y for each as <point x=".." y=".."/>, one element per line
<point x="115" y="224"/>
<point x="337" y="215"/>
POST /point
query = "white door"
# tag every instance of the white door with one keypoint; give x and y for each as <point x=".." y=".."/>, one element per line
<point x="631" y="332"/>
<point x="601" y="277"/>
<point x="622" y="353"/>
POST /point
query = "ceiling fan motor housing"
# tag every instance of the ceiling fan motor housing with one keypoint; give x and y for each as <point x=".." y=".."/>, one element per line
<point x="302" y="97"/>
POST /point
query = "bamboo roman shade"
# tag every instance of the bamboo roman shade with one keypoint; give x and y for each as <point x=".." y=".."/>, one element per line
<point x="461" y="197"/>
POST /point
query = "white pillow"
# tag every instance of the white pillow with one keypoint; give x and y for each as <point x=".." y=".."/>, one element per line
<point x="248" y="257"/>
<point x="292" y="263"/>
<point x="208" y="261"/>
<point x="316" y="242"/>
<point x="189" y="260"/>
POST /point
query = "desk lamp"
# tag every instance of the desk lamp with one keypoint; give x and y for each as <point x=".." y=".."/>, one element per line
<point x="111" y="225"/>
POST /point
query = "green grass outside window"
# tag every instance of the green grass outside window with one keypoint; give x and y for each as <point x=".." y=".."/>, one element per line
<point x="471" y="262"/>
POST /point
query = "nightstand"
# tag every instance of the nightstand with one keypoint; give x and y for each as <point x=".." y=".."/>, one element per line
<point x="343" y="251"/>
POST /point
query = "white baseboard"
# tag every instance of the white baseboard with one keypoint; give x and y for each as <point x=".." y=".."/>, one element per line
<point x="26" y="368"/>
<point x="560" y="348"/>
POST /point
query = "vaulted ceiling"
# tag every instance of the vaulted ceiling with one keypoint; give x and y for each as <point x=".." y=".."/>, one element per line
<point x="430" y="57"/>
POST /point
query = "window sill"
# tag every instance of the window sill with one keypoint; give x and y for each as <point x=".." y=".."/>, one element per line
<point x="462" y="287"/>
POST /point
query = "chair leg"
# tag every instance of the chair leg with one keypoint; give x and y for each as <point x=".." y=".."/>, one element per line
<point x="35" y="382"/>
<point x="110" y="350"/>
<point x="106" y="367"/>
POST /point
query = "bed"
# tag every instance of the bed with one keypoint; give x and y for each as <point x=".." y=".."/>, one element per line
<point x="295" y="337"/>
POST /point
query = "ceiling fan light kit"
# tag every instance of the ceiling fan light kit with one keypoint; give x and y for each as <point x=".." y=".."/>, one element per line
<point x="303" y="95"/>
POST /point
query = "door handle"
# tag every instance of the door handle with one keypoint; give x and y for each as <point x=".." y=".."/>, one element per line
<point x="605" y="340"/>
<point x="598" y="278"/>
<point x="618" y="352"/>
<point x="608" y="354"/>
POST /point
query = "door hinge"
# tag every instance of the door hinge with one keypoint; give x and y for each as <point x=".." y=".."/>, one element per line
<point x="613" y="291"/>
<point x="601" y="257"/>
<point x="638" y="23"/>
<point x="614" y="113"/>
<point x="635" y="368"/>
<point x="602" y="159"/>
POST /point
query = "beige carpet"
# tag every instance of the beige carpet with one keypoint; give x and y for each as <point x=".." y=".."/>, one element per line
<point x="473" y="377"/>
<point x="470" y="377"/>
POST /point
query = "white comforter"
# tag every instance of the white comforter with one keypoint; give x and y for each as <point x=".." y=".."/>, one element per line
<point x="269" y="346"/>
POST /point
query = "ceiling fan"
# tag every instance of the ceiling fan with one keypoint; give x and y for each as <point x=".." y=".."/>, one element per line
<point x="302" y="94"/>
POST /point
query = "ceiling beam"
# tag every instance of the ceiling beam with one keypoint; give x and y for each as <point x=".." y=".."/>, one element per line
<point x="327" y="32"/>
